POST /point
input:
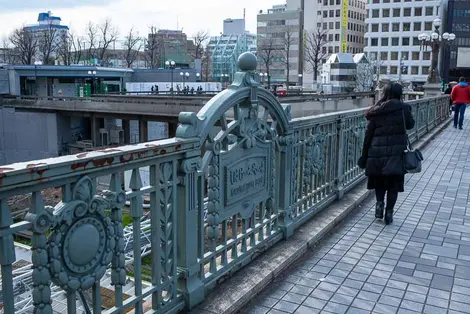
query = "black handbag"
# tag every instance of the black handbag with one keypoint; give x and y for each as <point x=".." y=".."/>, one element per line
<point x="412" y="158"/>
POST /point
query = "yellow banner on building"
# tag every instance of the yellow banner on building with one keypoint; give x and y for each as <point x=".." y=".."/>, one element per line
<point x="344" y="26"/>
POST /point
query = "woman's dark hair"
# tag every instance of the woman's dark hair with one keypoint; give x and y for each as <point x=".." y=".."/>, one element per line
<point x="392" y="90"/>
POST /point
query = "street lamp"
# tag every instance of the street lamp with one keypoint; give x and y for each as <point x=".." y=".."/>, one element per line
<point x="171" y="64"/>
<point x="198" y="77"/>
<point x="36" y="63"/>
<point x="300" y="79"/>
<point x="184" y="76"/>
<point x="93" y="74"/>
<point x="435" y="41"/>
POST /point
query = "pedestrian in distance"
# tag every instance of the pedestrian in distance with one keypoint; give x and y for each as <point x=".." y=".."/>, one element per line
<point x="460" y="96"/>
<point x="384" y="146"/>
<point x="448" y="91"/>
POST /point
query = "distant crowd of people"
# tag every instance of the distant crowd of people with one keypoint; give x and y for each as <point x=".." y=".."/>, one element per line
<point x="185" y="91"/>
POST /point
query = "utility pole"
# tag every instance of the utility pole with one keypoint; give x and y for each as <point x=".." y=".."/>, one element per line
<point x="400" y="68"/>
<point x="300" y="68"/>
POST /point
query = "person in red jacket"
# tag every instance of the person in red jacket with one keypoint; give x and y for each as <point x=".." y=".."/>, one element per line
<point x="460" y="97"/>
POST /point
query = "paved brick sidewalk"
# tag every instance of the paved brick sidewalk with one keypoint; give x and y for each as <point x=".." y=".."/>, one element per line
<point x="419" y="264"/>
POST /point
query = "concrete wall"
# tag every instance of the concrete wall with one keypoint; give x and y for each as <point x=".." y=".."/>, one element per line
<point x="27" y="136"/>
<point x="4" y="82"/>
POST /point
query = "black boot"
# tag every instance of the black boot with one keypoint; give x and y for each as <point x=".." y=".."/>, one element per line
<point x="388" y="216"/>
<point x="379" y="210"/>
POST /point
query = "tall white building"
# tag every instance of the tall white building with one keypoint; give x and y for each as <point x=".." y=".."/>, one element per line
<point x="392" y="38"/>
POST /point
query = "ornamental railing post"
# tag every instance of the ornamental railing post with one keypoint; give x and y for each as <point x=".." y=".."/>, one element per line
<point x="190" y="207"/>
<point x="340" y="143"/>
<point x="287" y="169"/>
<point x="7" y="257"/>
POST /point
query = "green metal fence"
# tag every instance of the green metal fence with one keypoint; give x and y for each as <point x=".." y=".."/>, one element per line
<point x="240" y="176"/>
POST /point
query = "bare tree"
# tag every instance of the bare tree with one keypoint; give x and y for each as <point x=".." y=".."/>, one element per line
<point x="365" y="73"/>
<point x="268" y="50"/>
<point x="92" y="38"/>
<point x="70" y="48"/>
<point x="206" y="63"/>
<point x="152" y="48"/>
<point x="199" y="41"/>
<point x="289" y="40"/>
<point x="25" y="44"/>
<point x="47" y="45"/>
<point x="315" y="50"/>
<point x="108" y="35"/>
<point x="132" y="45"/>
<point x="8" y="53"/>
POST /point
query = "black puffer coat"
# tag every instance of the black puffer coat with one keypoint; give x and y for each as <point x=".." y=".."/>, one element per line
<point x="385" y="140"/>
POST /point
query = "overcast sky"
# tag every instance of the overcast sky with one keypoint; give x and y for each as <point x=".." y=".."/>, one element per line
<point x="192" y="15"/>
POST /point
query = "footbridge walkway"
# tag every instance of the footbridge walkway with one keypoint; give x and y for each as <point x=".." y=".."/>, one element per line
<point x="220" y="193"/>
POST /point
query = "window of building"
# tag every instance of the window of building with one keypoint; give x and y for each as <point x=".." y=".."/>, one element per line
<point x="325" y="14"/>
<point x="319" y="13"/>
<point x="320" y="1"/>
<point x="429" y="11"/>
<point x="331" y="25"/>
<point x="325" y="25"/>
<point x="386" y="1"/>
<point x="372" y="55"/>
<point x="385" y="27"/>
<point x="394" y="55"/>
<point x="325" y="2"/>
<point x="426" y="55"/>
<point x="332" y="13"/>
<point x="407" y="12"/>
<point x="404" y="55"/>
<point x="318" y="25"/>
<point x="323" y="50"/>
<point x="416" y="41"/>
<point x="332" y="2"/>
<point x="374" y="28"/>
<point x="404" y="69"/>
<point x="406" y="27"/>
<point x="336" y="49"/>
<point x="425" y="70"/>
<point x="414" y="70"/>
<point x="428" y="26"/>
<point x="374" y="42"/>
<point x="337" y="25"/>
<point x="393" y="69"/>
<point x="415" y="55"/>
<point x="330" y="37"/>
<point x="418" y="11"/>
<point x="338" y="2"/>
<point x="405" y="41"/>
<point x="336" y="37"/>
<point x="384" y="42"/>
<point x="338" y="13"/>
<point x="396" y="12"/>
<point x="375" y="13"/>
<point x="375" y="1"/>
<point x="417" y="26"/>
<point x="395" y="41"/>
<point x="385" y="12"/>
<point x="384" y="56"/>
<point x="330" y="49"/>
<point x="395" y="27"/>
<point x="383" y="69"/>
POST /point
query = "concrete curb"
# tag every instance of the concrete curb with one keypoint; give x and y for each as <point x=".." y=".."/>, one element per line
<point x="236" y="292"/>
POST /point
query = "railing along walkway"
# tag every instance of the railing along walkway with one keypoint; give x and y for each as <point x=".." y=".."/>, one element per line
<point x="419" y="264"/>
<point x="241" y="176"/>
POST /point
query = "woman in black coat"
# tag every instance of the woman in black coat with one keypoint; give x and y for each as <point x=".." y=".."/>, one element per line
<point x="384" y="144"/>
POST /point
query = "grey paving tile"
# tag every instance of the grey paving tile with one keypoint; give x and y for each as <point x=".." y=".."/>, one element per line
<point x="355" y="310"/>
<point x="385" y="309"/>
<point x="286" y="306"/>
<point x="294" y="298"/>
<point x="384" y="299"/>
<point x="342" y="299"/>
<point x="314" y="303"/>
<point x="434" y="310"/>
<point x="411" y="305"/>
<point x="336" y="308"/>
<point x="437" y="302"/>
<point x="370" y="296"/>
<point x="258" y="310"/>
<point x="306" y="310"/>
<point x="363" y="304"/>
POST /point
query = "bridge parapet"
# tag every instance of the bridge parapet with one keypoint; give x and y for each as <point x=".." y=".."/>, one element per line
<point x="240" y="176"/>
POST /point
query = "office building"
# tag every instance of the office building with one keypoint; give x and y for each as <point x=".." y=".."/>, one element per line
<point x="455" y="59"/>
<point x="339" y="74"/>
<point x="392" y="38"/>
<point x="278" y="44"/>
<point x="342" y="21"/>
<point x="226" y="48"/>
<point x="49" y="32"/>
<point x="172" y="45"/>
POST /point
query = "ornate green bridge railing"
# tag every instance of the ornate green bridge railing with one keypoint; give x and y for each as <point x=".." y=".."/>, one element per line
<point x="240" y="176"/>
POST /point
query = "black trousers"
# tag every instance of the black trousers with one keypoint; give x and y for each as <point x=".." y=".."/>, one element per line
<point x="392" y="197"/>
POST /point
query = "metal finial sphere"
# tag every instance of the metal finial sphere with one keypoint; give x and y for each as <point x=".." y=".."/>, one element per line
<point x="247" y="62"/>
